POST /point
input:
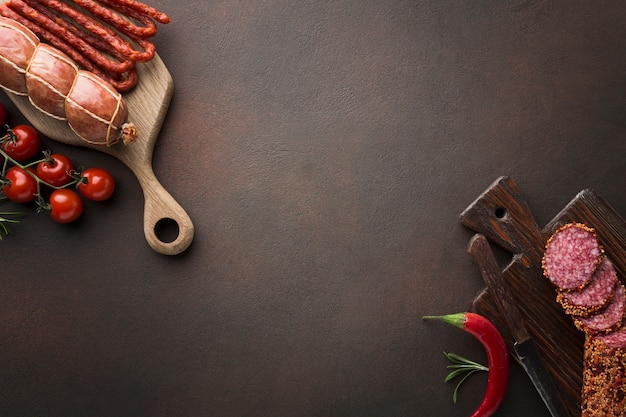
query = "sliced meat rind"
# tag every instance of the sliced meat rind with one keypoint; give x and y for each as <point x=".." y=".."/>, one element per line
<point x="572" y="255"/>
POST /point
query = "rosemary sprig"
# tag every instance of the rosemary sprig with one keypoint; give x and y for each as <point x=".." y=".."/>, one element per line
<point x="7" y="218"/>
<point x="461" y="366"/>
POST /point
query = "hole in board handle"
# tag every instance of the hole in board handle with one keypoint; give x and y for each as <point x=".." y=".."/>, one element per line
<point x="166" y="230"/>
<point x="500" y="213"/>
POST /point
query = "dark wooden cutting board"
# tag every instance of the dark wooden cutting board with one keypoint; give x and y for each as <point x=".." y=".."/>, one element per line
<point x="502" y="215"/>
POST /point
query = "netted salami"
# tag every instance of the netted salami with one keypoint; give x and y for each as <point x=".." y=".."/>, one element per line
<point x="593" y="297"/>
<point x="95" y="111"/>
<point x="572" y="255"/>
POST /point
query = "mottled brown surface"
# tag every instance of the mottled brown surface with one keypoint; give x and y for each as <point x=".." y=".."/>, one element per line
<point x="324" y="151"/>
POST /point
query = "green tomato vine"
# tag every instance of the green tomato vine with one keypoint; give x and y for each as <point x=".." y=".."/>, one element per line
<point x="24" y="178"/>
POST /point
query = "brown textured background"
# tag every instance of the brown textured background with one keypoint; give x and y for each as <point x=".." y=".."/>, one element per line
<point x="324" y="151"/>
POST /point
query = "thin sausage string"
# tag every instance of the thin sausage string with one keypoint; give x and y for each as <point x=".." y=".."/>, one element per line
<point x="106" y="37"/>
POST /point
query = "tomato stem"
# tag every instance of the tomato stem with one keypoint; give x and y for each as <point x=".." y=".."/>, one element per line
<point x="24" y="178"/>
<point x="75" y="178"/>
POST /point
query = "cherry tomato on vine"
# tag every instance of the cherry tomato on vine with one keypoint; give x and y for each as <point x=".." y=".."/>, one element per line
<point x="22" y="187"/>
<point x="3" y="116"/>
<point x="27" y="144"/>
<point x="98" y="184"/>
<point x="65" y="205"/>
<point x="56" y="171"/>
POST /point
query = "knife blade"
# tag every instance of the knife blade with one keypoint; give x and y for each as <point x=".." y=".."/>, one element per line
<point x="524" y="346"/>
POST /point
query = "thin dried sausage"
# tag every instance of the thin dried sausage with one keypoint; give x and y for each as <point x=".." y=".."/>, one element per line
<point x="123" y="25"/>
<point x="100" y="46"/>
<point x="144" y="9"/>
<point x="96" y="28"/>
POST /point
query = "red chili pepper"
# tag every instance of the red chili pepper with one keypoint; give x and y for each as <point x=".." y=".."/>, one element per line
<point x="497" y="355"/>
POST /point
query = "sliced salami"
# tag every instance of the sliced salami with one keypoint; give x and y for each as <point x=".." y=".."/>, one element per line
<point x="572" y="255"/>
<point x="593" y="297"/>
<point x="616" y="339"/>
<point x="607" y="319"/>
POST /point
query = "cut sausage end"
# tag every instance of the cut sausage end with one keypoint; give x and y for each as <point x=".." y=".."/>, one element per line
<point x="129" y="133"/>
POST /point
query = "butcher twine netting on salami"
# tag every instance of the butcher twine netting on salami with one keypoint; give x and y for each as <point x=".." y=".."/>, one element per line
<point x="595" y="299"/>
<point x="106" y="37"/>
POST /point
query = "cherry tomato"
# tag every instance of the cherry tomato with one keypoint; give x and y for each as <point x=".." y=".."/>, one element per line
<point x="65" y="205"/>
<point x="3" y="116"/>
<point x="56" y="171"/>
<point x="27" y="144"/>
<point x="98" y="184"/>
<point x="22" y="187"/>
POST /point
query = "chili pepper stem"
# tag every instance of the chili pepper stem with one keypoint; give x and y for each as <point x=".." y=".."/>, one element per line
<point x="457" y="319"/>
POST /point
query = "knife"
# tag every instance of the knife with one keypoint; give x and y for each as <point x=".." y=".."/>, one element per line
<point x="524" y="346"/>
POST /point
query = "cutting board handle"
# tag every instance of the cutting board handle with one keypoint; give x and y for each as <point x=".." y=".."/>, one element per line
<point x="504" y="218"/>
<point x="160" y="207"/>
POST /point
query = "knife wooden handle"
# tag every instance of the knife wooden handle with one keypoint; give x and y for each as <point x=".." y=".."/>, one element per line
<point x="482" y="254"/>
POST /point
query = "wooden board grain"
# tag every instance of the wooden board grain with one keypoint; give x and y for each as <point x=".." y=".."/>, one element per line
<point x="502" y="215"/>
<point x="148" y="103"/>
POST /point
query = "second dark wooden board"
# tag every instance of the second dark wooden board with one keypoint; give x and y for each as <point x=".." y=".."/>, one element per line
<point x="502" y="215"/>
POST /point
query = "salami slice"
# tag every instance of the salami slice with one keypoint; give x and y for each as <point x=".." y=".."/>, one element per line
<point x="607" y="319"/>
<point x="572" y="255"/>
<point x="593" y="297"/>
<point x="616" y="339"/>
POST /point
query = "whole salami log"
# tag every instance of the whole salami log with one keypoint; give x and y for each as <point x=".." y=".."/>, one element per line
<point x="604" y="380"/>
<point x="92" y="107"/>
<point x="569" y="258"/>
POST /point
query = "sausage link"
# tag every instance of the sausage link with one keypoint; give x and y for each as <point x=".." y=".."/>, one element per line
<point x="98" y="29"/>
<point x="96" y="42"/>
<point x="71" y="38"/>
<point x="125" y="26"/>
<point x="144" y="9"/>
